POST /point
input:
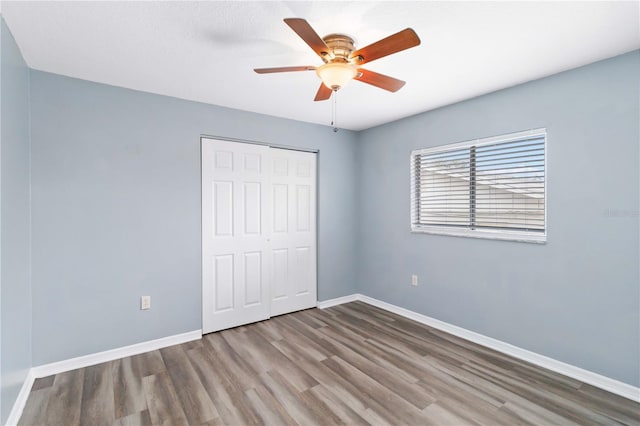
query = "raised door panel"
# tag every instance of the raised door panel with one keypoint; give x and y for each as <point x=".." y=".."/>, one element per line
<point x="222" y="209"/>
<point x="223" y="282"/>
<point x="280" y="268"/>
<point x="252" y="211"/>
<point x="280" y="204"/>
<point x="303" y="208"/>
<point x="253" y="278"/>
<point x="303" y="271"/>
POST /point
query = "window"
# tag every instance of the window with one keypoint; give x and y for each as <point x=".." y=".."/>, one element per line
<point x="487" y="188"/>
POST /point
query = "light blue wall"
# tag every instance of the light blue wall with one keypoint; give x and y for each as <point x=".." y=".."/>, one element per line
<point x="116" y="210"/>
<point x="15" y="314"/>
<point x="575" y="299"/>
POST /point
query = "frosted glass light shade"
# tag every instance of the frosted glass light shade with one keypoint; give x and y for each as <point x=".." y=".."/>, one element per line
<point x="336" y="75"/>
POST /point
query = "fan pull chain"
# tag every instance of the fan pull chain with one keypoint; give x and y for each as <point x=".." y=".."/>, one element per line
<point x="334" y="104"/>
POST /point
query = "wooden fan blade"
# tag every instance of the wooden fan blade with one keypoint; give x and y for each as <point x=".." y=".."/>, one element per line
<point x="379" y="80"/>
<point x="394" y="43"/>
<point x="308" y="34"/>
<point x="323" y="94"/>
<point x="283" y="69"/>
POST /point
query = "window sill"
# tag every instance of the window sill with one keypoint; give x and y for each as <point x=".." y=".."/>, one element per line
<point x="522" y="237"/>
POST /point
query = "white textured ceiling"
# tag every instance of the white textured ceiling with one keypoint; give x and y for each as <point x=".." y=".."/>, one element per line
<point x="205" y="51"/>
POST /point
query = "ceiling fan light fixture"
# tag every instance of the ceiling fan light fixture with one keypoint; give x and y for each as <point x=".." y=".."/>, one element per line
<point x="336" y="75"/>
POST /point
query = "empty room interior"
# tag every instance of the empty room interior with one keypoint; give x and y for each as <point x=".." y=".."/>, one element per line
<point x="314" y="213"/>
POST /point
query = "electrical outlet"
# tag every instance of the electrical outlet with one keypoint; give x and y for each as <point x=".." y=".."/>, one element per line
<point x="145" y="302"/>
<point x="414" y="280"/>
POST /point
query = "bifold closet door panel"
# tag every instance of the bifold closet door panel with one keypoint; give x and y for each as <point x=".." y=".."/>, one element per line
<point x="293" y="231"/>
<point x="235" y="232"/>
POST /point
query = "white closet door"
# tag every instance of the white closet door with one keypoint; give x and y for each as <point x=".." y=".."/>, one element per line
<point x="235" y="246"/>
<point x="293" y="231"/>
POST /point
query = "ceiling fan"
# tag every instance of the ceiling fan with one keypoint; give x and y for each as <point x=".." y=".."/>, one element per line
<point x="342" y="61"/>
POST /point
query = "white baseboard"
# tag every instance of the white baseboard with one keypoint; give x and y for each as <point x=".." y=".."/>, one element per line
<point x="93" y="359"/>
<point x="113" y="354"/>
<point x="21" y="400"/>
<point x="611" y="385"/>
<point x="338" y="301"/>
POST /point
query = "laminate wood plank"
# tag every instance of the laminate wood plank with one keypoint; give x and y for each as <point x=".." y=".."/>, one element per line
<point x="345" y="337"/>
<point x="192" y="345"/>
<point x="128" y="390"/>
<point x="148" y="363"/>
<point x="268" y="330"/>
<point x="342" y="389"/>
<point x="214" y="422"/>
<point x="227" y="399"/>
<point x="441" y="342"/>
<point x="321" y="412"/>
<point x="406" y="390"/>
<point x="42" y="383"/>
<point x="412" y="363"/>
<point x="288" y="398"/>
<point x="301" y="351"/>
<point x="35" y="411"/>
<point x="308" y="319"/>
<point x="546" y="376"/>
<point x="374" y="418"/>
<point x="383" y="401"/>
<point x="520" y="392"/>
<point x="536" y="414"/>
<point x="458" y="377"/>
<point x="141" y="418"/>
<point x="437" y="347"/>
<point x="263" y="357"/>
<point x="436" y="414"/>
<point x="225" y="372"/>
<point x="329" y="312"/>
<point x="65" y="399"/>
<point x="97" y="396"/>
<point x="523" y="393"/>
<point x="195" y="400"/>
<point x="243" y="375"/>
<point x="290" y="327"/>
<point x="493" y="385"/>
<point x="300" y="328"/>
<point x="318" y="314"/>
<point x="482" y="354"/>
<point x="364" y="313"/>
<point x="310" y="346"/>
<point x="409" y="342"/>
<point x="471" y="406"/>
<point x="625" y="410"/>
<point x="163" y="402"/>
<point x="464" y="400"/>
<point x="270" y="411"/>
<point x="402" y="342"/>
<point x="343" y="411"/>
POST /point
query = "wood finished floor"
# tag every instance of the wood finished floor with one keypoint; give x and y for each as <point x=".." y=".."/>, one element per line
<point x="350" y="364"/>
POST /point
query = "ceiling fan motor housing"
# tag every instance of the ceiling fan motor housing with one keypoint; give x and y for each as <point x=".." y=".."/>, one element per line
<point x="341" y="46"/>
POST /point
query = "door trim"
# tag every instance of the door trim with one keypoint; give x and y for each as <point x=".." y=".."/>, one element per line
<point x="269" y="144"/>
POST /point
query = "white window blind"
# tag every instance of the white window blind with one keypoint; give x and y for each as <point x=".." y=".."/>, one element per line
<point x="492" y="187"/>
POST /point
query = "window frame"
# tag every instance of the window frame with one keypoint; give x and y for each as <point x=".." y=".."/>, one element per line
<point x="486" y="233"/>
